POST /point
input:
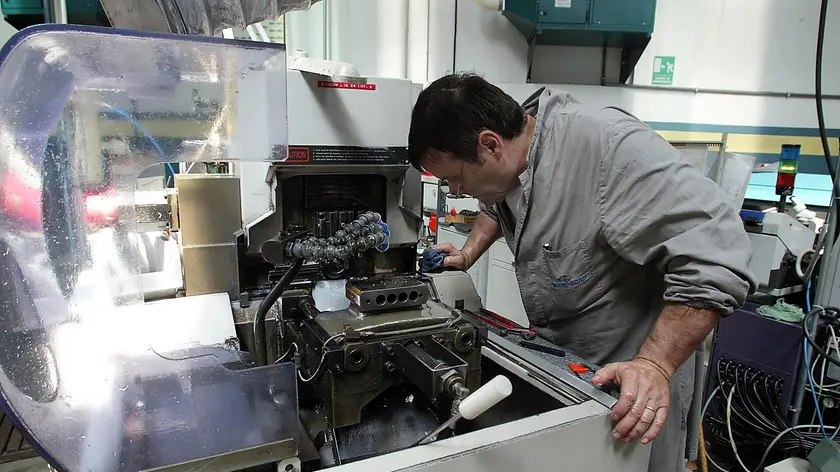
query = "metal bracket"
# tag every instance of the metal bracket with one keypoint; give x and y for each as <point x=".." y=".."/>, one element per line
<point x="429" y="365"/>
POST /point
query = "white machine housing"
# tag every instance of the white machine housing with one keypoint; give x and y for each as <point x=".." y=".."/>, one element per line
<point x="778" y="241"/>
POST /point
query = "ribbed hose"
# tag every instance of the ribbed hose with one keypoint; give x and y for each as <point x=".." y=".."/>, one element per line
<point x="354" y="238"/>
<point x="260" y="354"/>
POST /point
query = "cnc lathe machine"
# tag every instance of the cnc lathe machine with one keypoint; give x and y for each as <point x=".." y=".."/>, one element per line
<point x="301" y="340"/>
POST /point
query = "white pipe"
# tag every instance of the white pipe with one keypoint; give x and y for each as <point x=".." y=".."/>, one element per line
<point x="392" y="38"/>
<point x="494" y="5"/>
<point x="418" y="40"/>
<point x="441" y="38"/>
<point x="58" y="11"/>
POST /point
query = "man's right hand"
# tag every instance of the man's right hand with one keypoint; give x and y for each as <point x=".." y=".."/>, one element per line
<point x="456" y="258"/>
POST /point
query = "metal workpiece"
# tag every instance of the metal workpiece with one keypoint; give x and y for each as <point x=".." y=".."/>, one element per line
<point x="387" y="323"/>
<point x="437" y="371"/>
<point x="380" y="294"/>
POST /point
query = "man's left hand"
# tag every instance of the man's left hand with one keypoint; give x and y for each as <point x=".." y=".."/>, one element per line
<point x="645" y="397"/>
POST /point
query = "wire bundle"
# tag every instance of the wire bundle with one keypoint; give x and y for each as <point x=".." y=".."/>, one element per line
<point x="747" y="417"/>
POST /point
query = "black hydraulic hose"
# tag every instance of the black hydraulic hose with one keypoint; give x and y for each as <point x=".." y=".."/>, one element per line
<point x="819" y="97"/>
<point x="260" y="354"/>
<point x="810" y="338"/>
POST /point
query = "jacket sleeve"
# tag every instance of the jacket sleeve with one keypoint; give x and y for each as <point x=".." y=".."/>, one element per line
<point x="657" y="209"/>
<point x="489" y="210"/>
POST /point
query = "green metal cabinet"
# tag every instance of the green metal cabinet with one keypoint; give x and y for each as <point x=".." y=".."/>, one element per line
<point x="22" y="7"/>
<point x="22" y="13"/>
<point x="587" y="15"/>
<point x="634" y="15"/>
<point x="626" y="24"/>
<point x="571" y="12"/>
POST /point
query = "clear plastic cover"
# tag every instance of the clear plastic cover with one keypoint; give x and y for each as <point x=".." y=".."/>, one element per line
<point x="84" y="111"/>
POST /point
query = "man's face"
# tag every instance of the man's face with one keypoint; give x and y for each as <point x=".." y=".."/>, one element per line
<point x="489" y="182"/>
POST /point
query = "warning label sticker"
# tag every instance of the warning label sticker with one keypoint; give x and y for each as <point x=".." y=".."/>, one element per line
<point x="346" y="155"/>
<point x="345" y="85"/>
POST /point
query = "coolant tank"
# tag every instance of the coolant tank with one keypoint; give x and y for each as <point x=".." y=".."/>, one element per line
<point x="88" y="375"/>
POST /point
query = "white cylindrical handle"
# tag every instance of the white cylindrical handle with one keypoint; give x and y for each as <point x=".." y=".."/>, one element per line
<point x="485" y="397"/>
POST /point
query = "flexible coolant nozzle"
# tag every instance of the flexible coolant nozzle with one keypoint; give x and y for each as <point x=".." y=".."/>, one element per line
<point x="476" y="403"/>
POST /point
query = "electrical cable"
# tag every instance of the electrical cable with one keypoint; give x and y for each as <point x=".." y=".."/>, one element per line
<point x="810" y="338"/>
<point x="837" y="350"/>
<point x="323" y="358"/>
<point x="274" y="294"/>
<point x="746" y="404"/>
<point x="812" y="264"/>
<point x="822" y="385"/>
<point x="292" y="348"/>
<point x="782" y="434"/>
<point x="703" y="416"/>
<point x="813" y="390"/>
<point x="743" y="417"/>
<point x="729" y="429"/>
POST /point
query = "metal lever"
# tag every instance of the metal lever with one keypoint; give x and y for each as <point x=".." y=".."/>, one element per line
<point x="475" y="404"/>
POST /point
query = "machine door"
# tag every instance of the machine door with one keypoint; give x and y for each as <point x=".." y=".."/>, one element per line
<point x="96" y="379"/>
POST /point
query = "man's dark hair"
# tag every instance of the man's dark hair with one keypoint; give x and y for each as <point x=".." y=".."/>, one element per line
<point x="453" y="110"/>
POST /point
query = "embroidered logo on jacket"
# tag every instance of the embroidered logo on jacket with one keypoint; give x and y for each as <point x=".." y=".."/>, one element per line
<point x="569" y="283"/>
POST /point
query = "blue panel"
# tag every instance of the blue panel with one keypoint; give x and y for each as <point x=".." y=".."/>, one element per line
<point x="814" y="190"/>
<point x="752" y="216"/>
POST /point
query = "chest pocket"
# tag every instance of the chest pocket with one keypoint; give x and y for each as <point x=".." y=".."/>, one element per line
<point x="570" y="280"/>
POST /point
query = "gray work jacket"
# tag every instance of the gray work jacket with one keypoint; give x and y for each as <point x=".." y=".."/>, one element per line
<point x="615" y="224"/>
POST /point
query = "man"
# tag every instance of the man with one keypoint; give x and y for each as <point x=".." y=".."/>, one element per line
<point x="624" y="254"/>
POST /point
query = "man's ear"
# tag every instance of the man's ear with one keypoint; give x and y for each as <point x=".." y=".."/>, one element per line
<point x="491" y="143"/>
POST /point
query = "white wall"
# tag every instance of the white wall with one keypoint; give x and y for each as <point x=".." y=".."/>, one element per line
<point x="752" y="45"/>
<point x="6" y="30"/>
<point x="755" y="45"/>
<point x="678" y="107"/>
<point x="767" y="45"/>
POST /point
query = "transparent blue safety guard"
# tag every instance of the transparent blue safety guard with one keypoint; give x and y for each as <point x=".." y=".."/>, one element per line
<point x="84" y="111"/>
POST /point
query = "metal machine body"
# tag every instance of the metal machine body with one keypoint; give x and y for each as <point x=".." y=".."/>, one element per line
<point x="98" y="380"/>
<point x="382" y="349"/>
<point x="779" y="243"/>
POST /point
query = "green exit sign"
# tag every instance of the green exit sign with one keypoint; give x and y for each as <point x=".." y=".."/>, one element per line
<point x="663" y="70"/>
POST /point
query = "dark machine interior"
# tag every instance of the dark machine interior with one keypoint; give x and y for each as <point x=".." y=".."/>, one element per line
<point x="398" y="412"/>
<point x="330" y="200"/>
